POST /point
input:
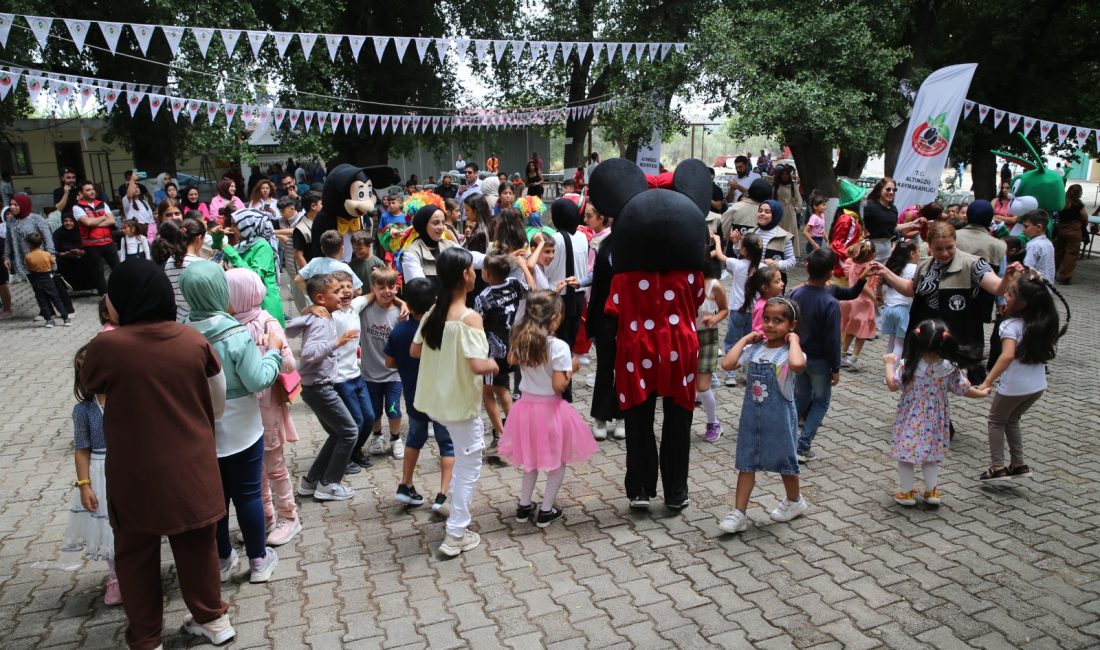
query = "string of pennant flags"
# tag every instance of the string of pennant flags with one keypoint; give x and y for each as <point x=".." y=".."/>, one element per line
<point x="86" y="89"/>
<point x="1015" y="121"/>
<point x="79" y="29"/>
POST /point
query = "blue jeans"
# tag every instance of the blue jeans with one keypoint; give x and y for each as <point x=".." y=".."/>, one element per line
<point x="241" y="474"/>
<point x="418" y="433"/>
<point x="353" y="393"/>
<point x="737" y="327"/>
<point x="813" y="390"/>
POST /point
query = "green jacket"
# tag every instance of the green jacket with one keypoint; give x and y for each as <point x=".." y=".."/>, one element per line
<point x="260" y="257"/>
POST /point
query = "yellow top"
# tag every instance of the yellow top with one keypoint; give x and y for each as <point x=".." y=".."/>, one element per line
<point x="448" y="391"/>
<point x="38" y="261"/>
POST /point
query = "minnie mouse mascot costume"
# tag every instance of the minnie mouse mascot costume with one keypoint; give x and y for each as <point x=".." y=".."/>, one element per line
<point x="657" y="257"/>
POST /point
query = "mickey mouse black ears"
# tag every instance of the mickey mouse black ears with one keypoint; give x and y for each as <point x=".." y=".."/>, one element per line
<point x="615" y="181"/>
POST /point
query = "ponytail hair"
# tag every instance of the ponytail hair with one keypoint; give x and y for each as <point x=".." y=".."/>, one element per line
<point x="173" y="239"/>
<point x="450" y="267"/>
<point x="900" y="256"/>
<point x="530" y="339"/>
<point x="1035" y="293"/>
<point x="752" y="245"/>
<point x="933" y="336"/>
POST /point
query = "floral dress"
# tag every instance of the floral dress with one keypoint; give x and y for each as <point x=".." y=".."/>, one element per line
<point x="921" y="425"/>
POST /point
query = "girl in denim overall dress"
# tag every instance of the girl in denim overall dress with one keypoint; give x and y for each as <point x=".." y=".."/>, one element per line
<point x="767" y="432"/>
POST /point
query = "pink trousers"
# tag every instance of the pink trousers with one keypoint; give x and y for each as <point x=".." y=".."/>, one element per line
<point x="277" y="489"/>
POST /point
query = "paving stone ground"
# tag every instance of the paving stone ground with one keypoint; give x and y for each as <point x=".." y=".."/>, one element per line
<point x="1011" y="565"/>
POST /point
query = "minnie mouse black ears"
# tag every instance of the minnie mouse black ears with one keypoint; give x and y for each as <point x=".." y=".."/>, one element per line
<point x="613" y="183"/>
<point x="382" y="176"/>
<point x="692" y="179"/>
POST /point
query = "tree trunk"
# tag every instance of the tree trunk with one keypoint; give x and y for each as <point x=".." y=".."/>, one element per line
<point x="815" y="163"/>
<point x="851" y="162"/>
<point x="892" y="145"/>
<point x="983" y="166"/>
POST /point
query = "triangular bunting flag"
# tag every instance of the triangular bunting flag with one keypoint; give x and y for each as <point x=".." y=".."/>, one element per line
<point x="282" y="41"/>
<point x="280" y="115"/>
<point x="78" y="29"/>
<point x="517" y="50"/>
<point x="143" y="34"/>
<point x="308" y="41"/>
<point x="551" y="51"/>
<point x="441" y="49"/>
<point x="422" y="45"/>
<point x="40" y="27"/>
<point x="333" y="120"/>
<point x="193" y="108"/>
<point x="380" y="43"/>
<point x="582" y="50"/>
<point x="111" y="32"/>
<point x="174" y="35"/>
<point x="416" y="123"/>
<point x="247" y="114"/>
<point x="462" y="48"/>
<point x="332" y="42"/>
<point x="1045" y="128"/>
<point x="1082" y="136"/>
<point x="1013" y="120"/>
<point x="322" y="116"/>
<point x="597" y="50"/>
<point x="63" y="90"/>
<point x="405" y="121"/>
<point x="107" y="95"/>
<point x="203" y="36"/>
<point x="1063" y="132"/>
<point x="308" y="116"/>
<point x="256" y="40"/>
<point x="211" y="112"/>
<point x="481" y="50"/>
<point x="654" y="50"/>
<point x="359" y="119"/>
<point x="175" y="105"/>
<point x="385" y="120"/>
<point x="402" y="45"/>
<point x="230" y="112"/>
<point x="345" y="119"/>
<point x="983" y="110"/>
<point x="372" y="121"/>
<point x="998" y="115"/>
<point x="498" y="50"/>
<point x="680" y="47"/>
<point x="356" y="43"/>
<point x="665" y="49"/>
<point x="34" y="86"/>
<point x="566" y="50"/>
<point x="294" y="115"/>
<point x="133" y="100"/>
<point x="230" y="38"/>
<point x="8" y="80"/>
<point x="5" y="28"/>
<point x="86" y="94"/>
<point x="435" y="123"/>
<point x="612" y="48"/>
<point x="537" y="50"/>
<point x="155" y="102"/>
<point x="265" y="115"/>
<point x="624" y="51"/>
<point x="1029" y="124"/>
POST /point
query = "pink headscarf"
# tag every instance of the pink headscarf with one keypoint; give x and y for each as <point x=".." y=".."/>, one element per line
<point x="246" y="292"/>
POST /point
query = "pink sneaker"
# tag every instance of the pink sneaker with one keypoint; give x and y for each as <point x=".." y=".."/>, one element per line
<point x="714" y="432"/>
<point x="283" y="532"/>
<point x="113" y="595"/>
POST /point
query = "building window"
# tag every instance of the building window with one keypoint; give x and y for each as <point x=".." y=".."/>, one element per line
<point x="15" y="158"/>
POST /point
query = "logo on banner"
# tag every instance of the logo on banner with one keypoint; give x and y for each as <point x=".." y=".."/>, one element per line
<point x="932" y="136"/>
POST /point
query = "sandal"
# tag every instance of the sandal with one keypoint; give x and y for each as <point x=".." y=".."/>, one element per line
<point x="1022" y="471"/>
<point x="1000" y="474"/>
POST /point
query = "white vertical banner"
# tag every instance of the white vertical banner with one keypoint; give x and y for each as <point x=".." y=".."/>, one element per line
<point x="380" y="43"/>
<point x="967" y="107"/>
<point x="649" y="154"/>
<point x="998" y="115"/>
<point x="34" y="86"/>
<point x="211" y="112"/>
<point x="133" y="100"/>
<point x="931" y="129"/>
<point x="282" y="41"/>
<point x="109" y="96"/>
<point x="294" y="114"/>
<point x="517" y="50"/>
<point x="401" y="44"/>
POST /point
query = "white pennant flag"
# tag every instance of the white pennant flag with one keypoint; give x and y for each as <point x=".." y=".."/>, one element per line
<point x="402" y="45"/>
<point x="34" y="86"/>
<point x="40" y="27"/>
<point x="998" y="115"/>
<point x="78" y="29"/>
<point x="86" y="94"/>
<point x="1082" y="136"/>
<point x="308" y="116"/>
<point x="203" y="36"/>
<point x="5" y="28"/>
<point x="133" y="100"/>
<point x="405" y="121"/>
<point x="566" y="50"/>
<point x="230" y="38"/>
<point x="308" y="41"/>
<point x="1063" y="132"/>
<point x="8" y="80"/>
<point x="1029" y="124"/>
<point x="345" y="119"/>
<point x="680" y="47"/>
<point x="211" y="112"/>
<point x="230" y="111"/>
<point x="537" y="50"/>
<point x="247" y="113"/>
<point x="1013" y="121"/>
<point x="498" y="50"/>
<point x="462" y="48"/>
<point x="356" y="43"/>
<point x="1045" y="128"/>
<point x="481" y="50"/>
<point x="654" y="50"/>
<point x="359" y="119"/>
<point x="332" y="42"/>
<point x="155" y="102"/>
<point x="372" y="121"/>
<point x="282" y="41"/>
<point x="983" y="110"/>
<point x="380" y="43"/>
<point x="333" y="120"/>
<point x="143" y="34"/>
<point x="597" y="50"/>
<point x="62" y="90"/>
<point x="625" y="51"/>
<point x="435" y="123"/>
<point x="385" y="120"/>
<point x="280" y="115"/>
<point x="551" y="50"/>
<point x="322" y="117"/>
<point x="582" y="50"/>
<point x="111" y="32"/>
<point x="176" y="105"/>
<point x="416" y="123"/>
<point x="256" y="40"/>
<point x="108" y="96"/>
<point x="422" y="45"/>
<point x="665" y="49"/>
<point x="265" y="115"/>
<point x="174" y="35"/>
<point x="193" y="108"/>
<point x="517" y="50"/>
<point x="441" y="49"/>
<point x="612" y="48"/>
<point x="294" y="115"/>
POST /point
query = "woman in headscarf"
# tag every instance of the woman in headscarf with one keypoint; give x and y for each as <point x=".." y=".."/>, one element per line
<point x="419" y="257"/>
<point x="246" y="291"/>
<point x="226" y="197"/>
<point x="239" y="432"/>
<point x="254" y="251"/>
<point x="78" y="271"/>
<point x="778" y="243"/>
<point x="490" y="189"/>
<point x="22" y="222"/>
<point x="159" y="484"/>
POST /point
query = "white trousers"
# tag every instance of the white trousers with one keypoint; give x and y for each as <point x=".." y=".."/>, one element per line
<point x="468" y="437"/>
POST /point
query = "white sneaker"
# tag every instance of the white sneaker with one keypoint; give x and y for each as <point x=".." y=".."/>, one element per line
<point x="854" y="364"/>
<point x="306" y="488"/>
<point x="735" y="522"/>
<point x="590" y="381"/>
<point x="376" y="446"/>
<point x="788" y="510"/>
<point x="620" y="432"/>
<point x="333" y="492"/>
<point x="454" y="546"/>
<point x="599" y="432"/>
<point x="229" y="565"/>
<point x="263" y="567"/>
<point x="397" y="448"/>
<point x="583" y="360"/>
<point x="845" y="360"/>
<point x="731" y="378"/>
<point x="217" y="631"/>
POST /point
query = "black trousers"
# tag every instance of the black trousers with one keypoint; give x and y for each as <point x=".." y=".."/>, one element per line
<point x="641" y="450"/>
<point x="103" y="257"/>
<point x="51" y="295"/>
<point x="605" y="403"/>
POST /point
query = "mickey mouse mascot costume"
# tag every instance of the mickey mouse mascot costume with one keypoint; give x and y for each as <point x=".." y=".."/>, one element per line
<point x="347" y="198"/>
<point x="657" y="258"/>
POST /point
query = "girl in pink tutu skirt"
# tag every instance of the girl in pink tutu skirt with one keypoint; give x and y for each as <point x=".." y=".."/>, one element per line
<point x="544" y="433"/>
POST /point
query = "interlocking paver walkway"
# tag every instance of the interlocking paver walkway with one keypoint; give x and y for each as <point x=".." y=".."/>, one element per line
<point x="1011" y="565"/>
